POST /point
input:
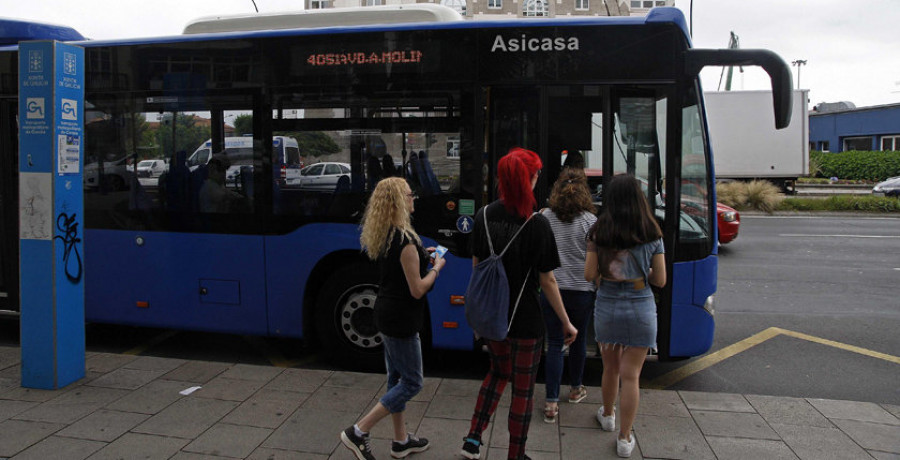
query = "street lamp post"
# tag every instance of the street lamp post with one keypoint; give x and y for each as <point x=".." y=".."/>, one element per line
<point x="798" y="63"/>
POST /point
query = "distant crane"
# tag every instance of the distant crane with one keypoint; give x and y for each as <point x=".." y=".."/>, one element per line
<point x="733" y="43"/>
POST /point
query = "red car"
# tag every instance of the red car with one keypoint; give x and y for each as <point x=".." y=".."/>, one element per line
<point x="729" y="221"/>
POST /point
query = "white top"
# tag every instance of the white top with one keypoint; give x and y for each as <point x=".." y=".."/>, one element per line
<point x="571" y="241"/>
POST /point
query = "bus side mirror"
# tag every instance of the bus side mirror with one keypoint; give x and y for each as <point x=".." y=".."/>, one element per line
<point x="778" y="70"/>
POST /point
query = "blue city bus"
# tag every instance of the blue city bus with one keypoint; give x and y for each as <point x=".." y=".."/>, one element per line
<point x="435" y="101"/>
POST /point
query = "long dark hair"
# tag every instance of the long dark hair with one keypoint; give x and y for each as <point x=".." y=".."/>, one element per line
<point x="514" y="173"/>
<point x="626" y="220"/>
<point x="570" y="195"/>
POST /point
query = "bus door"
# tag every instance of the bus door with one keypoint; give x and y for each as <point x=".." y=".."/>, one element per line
<point x="9" y="206"/>
<point x="513" y="120"/>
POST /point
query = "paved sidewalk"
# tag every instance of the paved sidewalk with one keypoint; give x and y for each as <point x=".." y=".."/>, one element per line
<point x="130" y="407"/>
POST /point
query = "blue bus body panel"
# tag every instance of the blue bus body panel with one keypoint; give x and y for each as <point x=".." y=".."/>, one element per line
<point x="692" y="326"/>
<point x="292" y="258"/>
<point x="169" y="271"/>
<point x="13" y="31"/>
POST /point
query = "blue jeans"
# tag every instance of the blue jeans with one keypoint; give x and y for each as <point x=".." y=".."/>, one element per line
<point x="403" y="359"/>
<point x="579" y="305"/>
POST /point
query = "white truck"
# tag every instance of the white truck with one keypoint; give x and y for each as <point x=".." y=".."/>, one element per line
<point x="745" y="143"/>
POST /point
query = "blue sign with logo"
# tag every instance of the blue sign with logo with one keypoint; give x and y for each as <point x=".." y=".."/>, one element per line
<point x="51" y="127"/>
<point x="464" y="224"/>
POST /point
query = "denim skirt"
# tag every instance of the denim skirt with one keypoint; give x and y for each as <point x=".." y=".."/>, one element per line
<point x="625" y="316"/>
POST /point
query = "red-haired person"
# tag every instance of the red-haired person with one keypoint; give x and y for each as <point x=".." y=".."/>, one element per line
<point x="529" y="261"/>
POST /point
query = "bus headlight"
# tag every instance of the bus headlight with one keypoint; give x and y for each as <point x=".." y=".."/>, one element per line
<point x="710" y="305"/>
<point x="729" y="216"/>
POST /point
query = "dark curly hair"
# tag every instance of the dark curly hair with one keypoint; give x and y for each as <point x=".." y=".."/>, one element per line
<point x="570" y="195"/>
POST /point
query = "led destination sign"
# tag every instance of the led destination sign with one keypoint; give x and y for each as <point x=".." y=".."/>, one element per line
<point x="360" y="58"/>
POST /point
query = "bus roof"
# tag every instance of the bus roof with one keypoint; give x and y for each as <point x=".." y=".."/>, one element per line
<point x="13" y="31"/>
<point x="329" y="17"/>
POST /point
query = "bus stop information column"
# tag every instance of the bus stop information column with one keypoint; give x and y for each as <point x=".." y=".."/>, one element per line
<point x="51" y="210"/>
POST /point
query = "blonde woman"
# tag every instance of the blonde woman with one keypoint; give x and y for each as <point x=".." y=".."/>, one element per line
<point x="388" y="238"/>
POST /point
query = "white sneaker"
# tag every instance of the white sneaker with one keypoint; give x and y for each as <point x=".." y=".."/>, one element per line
<point x="606" y="423"/>
<point x="623" y="447"/>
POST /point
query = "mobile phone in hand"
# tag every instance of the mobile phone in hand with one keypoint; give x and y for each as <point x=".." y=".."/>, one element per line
<point x="439" y="251"/>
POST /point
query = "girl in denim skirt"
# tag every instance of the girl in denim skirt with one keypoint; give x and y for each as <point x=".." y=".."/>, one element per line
<point x="624" y="256"/>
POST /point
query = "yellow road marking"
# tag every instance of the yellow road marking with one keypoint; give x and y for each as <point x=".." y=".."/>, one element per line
<point x="151" y="343"/>
<point x="711" y="359"/>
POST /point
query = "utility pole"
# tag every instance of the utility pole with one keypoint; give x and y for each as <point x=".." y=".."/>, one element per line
<point x="798" y="63"/>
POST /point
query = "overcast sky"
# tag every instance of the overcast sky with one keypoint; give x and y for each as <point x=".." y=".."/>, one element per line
<point x="851" y="48"/>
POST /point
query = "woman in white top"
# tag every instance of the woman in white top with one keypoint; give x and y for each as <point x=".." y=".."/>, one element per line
<point x="571" y="215"/>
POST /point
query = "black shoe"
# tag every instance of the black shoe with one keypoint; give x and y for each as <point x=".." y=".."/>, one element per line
<point x="413" y="445"/>
<point x="358" y="444"/>
<point x="471" y="448"/>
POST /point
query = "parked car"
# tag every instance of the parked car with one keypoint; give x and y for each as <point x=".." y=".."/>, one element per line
<point x="729" y="222"/>
<point x="151" y="168"/>
<point x="117" y="175"/>
<point x="324" y="177"/>
<point x="890" y="187"/>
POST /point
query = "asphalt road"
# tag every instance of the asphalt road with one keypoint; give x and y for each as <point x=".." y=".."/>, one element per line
<point x="831" y="278"/>
<point x="806" y="307"/>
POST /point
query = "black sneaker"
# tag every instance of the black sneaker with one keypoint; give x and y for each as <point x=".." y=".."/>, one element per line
<point x="412" y="446"/>
<point x="471" y="448"/>
<point x="358" y="444"/>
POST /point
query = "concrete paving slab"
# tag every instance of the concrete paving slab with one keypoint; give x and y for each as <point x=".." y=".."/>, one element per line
<point x="228" y="389"/>
<point x="873" y="436"/>
<point x="664" y="403"/>
<point x="186" y="418"/>
<point x="18" y="435"/>
<point x="429" y="388"/>
<point x="581" y="415"/>
<point x="106" y="362"/>
<point x="126" y="379"/>
<point x="182" y="455"/>
<point x="341" y="399"/>
<point x="884" y="455"/>
<point x="854" y="410"/>
<point x="725" y="402"/>
<point x="734" y="425"/>
<point x="815" y="443"/>
<point x="227" y="440"/>
<point x="789" y="411"/>
<point x="252" y="372"/>
<point x="314" y="431"/>
<point x="459" y="387"/>
<point x="749" y="449"/>
<point x="594" y="444"/>
<point x="357" y="380"/>
<point x="143" y="446"/>
<point x="266" y="408"/>
<point x="895" y="410"/>
<point x="445" y="437"/>
<point x="198" y="372"/>
<point x="299" y="380"/>
<point x="9" y="409"/>
<point x="670" y="437"/>
<point x="452" y="407"/>
<point x="56" y="447"/>
<point x="154" y="363"/>
<point x="103" y="425"/>
<point x="265" y="453"/>
<point x="72" y="405"/>
<point x="20" y="393"/>
<point x="151" y="398"/>
<point x="9" y="356"/>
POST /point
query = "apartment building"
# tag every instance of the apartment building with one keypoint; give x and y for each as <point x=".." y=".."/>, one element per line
<point x="499" y="9"/>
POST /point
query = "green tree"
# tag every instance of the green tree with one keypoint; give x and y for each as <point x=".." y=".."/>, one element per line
<point x="188" y="134"/>
<point x="315" y="143"/>
<point x="243" y="124"/>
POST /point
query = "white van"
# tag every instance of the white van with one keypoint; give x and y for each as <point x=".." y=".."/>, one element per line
<point x="239" y="151"/>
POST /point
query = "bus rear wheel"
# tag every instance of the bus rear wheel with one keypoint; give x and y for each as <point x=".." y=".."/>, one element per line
<point x="345" y="318"/>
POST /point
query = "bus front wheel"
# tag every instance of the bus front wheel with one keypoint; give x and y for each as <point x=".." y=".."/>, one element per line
<point x="345" y="318"/>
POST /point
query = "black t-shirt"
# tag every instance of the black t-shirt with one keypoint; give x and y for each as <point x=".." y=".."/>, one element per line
<point x="397" y="312"/>
<point x="534" y="248"/>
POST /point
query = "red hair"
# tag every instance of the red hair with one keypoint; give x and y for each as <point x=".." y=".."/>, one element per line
<point x="514" y="173"/>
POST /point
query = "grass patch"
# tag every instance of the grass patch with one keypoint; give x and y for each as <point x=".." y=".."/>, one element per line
<point x="759" y="195"/>
<point x="865" y="203"/>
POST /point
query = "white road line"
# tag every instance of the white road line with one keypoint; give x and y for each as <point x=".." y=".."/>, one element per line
<point x="804" y="235"/>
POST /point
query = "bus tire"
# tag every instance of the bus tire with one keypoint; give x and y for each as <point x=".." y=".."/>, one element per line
<point x="345" y="318"/>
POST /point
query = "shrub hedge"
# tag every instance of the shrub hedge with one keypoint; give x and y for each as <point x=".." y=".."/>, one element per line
<point x="866" y="203"/>
<point x="856" y="164"/>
